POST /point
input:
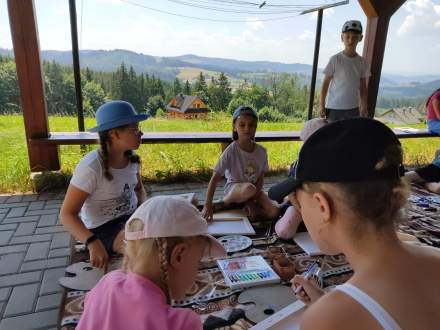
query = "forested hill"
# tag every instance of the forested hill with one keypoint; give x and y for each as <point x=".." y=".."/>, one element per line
<point x="187" y="67"/>
<point x="166" y="67"/>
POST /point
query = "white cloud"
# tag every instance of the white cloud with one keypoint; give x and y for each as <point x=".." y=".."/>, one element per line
<point x="423" y="19"/>
<point x="109" y="2"/>
<point x="306" y="35"/>
<point x="327" y="13"/>
<point x="254" y="24"/>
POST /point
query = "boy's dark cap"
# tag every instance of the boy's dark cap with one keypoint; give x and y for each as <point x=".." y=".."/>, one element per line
<point x="244" y="110"/>
<point x="344" y="151"/>
<point x="354" y="26"/>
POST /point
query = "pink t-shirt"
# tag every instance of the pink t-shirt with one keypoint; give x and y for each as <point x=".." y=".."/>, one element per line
<point x="431" y="113"/>
<point x="123" y="300"/>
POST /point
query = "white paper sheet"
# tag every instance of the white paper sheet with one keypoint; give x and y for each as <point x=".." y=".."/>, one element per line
<point x="286" y="319"/>
<point x="228" y="227"/>
<point x="306" y="243"/>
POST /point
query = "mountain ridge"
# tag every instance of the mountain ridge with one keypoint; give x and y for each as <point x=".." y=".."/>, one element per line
<point x="170" y="67"/>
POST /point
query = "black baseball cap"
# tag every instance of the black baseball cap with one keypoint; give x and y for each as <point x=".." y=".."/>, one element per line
<point x="344" y="151"/>
<point x="244" y="110"/>
<point x="353" y="25"/>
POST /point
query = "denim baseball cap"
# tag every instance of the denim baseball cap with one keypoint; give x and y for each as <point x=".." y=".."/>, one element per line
<point x="171" y="216"/>
<point x="244" y="110"/>
<point x="344" y="151"/>
<point x="115" y="114"/>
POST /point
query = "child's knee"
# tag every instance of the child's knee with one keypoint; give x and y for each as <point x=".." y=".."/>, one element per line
<point x="433" y="187"/>
<point x="249" y="190"/>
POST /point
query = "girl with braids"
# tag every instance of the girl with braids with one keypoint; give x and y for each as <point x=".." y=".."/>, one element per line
<point x="166" y="239"/>
<point x="106" y="186"/>
<point x="348" y="189"/>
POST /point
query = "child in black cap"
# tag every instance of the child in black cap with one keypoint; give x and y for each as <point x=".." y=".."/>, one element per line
<point x="428" y="175"/>
<point x="243" y="163"/>
<point x="344" y="88"/>
<point x="348" y="188"/>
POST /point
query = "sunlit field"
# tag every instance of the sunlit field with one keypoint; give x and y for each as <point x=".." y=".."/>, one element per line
<point x="165" y="162"/>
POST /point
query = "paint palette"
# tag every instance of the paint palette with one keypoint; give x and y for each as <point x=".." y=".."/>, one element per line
<point x="247" y="271"/>
<point x="234" y="243"/>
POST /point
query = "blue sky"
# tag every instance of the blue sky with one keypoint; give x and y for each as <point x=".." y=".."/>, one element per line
<point x="413" y="44"/>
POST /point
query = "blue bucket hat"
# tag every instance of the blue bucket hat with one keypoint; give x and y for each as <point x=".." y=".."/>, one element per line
<point x="115" y="114"/>
<point x="244" y="110"/>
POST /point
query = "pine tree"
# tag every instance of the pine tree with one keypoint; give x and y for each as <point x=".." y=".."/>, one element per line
<point x="187" y="88"/>
<point x="177" y="87"/>
<point x="201" y="88"/>
<point x="224" y="92"/>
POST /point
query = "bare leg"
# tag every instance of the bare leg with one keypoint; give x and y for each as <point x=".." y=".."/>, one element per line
<point x="288" y="224"/>
<point x="412" y="176"/>
<point x="240" y="193"/>
<point x="269" y="207"/>
<point x="406" y="237"/>
<point x="433" y="187"/>
<point x="118" y="243"/>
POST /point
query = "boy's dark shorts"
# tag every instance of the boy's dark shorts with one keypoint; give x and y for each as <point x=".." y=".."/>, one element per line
<point x="107" y="232"/>
<point x="430" y="173"/>
<point x="341" y="114"/>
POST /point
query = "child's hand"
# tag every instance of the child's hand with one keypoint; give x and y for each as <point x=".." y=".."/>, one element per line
<point x="322" y="112"/>
<point x="98" y="254"/>
<point x="208" y="211"/>
<point x="310" y="291"/>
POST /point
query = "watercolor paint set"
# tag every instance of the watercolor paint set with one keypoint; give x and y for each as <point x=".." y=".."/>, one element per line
<point x="247" y="272"/>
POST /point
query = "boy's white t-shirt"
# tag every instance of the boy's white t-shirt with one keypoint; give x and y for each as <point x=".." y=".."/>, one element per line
<point x="108" y="200"/>
<point x="239" y="166"/>
<point x="343" y="92"/>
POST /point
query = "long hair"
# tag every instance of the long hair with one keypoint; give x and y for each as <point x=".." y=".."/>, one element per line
<point x="105" y="141"/>
<point x="151" y="252"/>
<point x="429" y="98"/>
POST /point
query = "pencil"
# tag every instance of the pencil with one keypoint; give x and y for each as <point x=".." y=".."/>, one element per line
<point x="227" y="219"/>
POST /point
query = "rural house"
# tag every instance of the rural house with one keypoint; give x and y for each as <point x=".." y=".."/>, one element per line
<point x="408" y="115"/>
<point x="186" y="106"/>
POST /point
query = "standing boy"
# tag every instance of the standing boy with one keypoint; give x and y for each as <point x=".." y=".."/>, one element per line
<point x="344" y="89"/>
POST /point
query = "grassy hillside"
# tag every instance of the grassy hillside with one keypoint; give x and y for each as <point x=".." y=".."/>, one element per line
<point x="163" y="162"/>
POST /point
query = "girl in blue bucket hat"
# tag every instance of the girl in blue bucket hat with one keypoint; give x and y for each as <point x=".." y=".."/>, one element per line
<point x="106" y="187"/>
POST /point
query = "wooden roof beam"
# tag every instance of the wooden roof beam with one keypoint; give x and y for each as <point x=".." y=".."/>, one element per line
<point x="378" y="14"/>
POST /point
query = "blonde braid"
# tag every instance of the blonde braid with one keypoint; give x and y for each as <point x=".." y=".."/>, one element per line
<point x="162" y="246"/>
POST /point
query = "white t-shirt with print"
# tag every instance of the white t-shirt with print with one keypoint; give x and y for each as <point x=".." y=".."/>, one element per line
<point x="108" y="199"/>
<point x="238" y="165"/>
<point x="343" y="92"/>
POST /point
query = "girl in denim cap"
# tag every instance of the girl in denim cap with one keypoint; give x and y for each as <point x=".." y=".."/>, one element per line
<point x="166" y="239"/>
<point x="106" y="187"/>
<point x="243" y="163"/>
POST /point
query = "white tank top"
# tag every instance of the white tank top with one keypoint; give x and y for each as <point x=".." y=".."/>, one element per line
<point x="376" y="310"/>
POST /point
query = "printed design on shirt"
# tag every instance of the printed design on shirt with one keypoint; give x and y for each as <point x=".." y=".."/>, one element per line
<point x="120" y="205"/>
<point x="250" y="172"/>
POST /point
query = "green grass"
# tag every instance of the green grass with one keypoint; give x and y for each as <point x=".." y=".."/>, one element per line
<point x="161" y="162"/>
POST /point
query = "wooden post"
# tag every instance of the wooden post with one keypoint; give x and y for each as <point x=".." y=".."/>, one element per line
<point x="29" y="72"/>
<point x="379" y="14"/>
<point x="315" y="63"/>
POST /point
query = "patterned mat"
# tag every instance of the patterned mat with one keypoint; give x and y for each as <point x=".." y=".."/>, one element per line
<point x="217" y="304"/>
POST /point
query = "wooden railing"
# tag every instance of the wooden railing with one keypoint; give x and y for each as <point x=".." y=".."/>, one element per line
<point x="77" y="138"/>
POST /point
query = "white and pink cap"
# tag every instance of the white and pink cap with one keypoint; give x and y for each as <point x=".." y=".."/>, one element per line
<point x="171" y="216"/>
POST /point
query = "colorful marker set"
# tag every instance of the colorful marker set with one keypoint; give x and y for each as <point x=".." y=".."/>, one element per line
<point x="251" y="276"/>
<point x="247" y="271"/>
